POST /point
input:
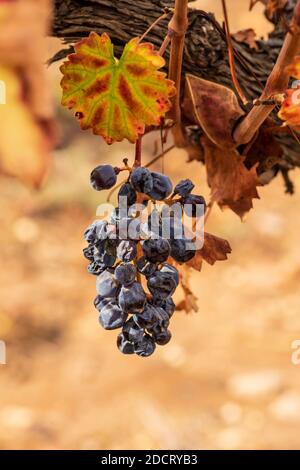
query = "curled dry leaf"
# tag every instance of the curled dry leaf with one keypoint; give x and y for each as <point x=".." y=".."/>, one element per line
<point x="215" y="109"/>
<point x="27" y="131"/>
<point x="232" y="184"/>
<point x="214" y="249"/>
<point x="272" y="6"/>
<point x="116" y="98"/>
<point x="189" y="303"/>
<point x="246" y="36"/>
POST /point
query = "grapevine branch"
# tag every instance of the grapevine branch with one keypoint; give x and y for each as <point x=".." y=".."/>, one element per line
<point x="206" y="51"/>
<point x="178" y="27"/>
<point x="276" y="83"/>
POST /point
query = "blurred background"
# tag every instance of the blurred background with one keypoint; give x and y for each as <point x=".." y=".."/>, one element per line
<point x="226" y="380"/>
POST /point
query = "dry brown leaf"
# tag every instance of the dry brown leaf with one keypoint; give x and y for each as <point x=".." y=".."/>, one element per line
<point x="215" y="109"/>
<point x="232" y="184"/>
<point x="27" y="130"/>
<point x="246" y="36"/>
<point x="189" y="303"/>
<point x="272" y="6"/>
<point x="214" y="249"/>
<point x="265" y="152"/>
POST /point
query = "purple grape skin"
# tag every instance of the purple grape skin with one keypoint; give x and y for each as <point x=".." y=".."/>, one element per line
<point x="162" y="285"/>
<point x="125" y="274"/>
<point x="145" y="347"/>
<point x="142" y="180"/>
<point x="156" y="250"/>
<point x="132" y="331"/>
<point x="112" y="316"/>
<point x="161" y="336"/>
<point x="127" y="250"/>
<point x="167" y="305"/>
<point x="132" y="299"/>
<point x="168" y="268"/>
<point x="124" y="345"/>
<point x="190" y="205"/>
<point x="96" y="268"/>
<point x="127" y="191"/>
<point x="103" y="177"/>
<point x="107" y="285"/>
<point x="180" y="252"/>
<point x="184" y="188"/>
<point x="151" y="316"/>
<point x="145" y="267"/>
<point x="162" y="187"/>
<point x="96" y="231"/>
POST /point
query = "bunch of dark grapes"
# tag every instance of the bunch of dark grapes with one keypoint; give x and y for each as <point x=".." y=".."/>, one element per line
<point x="135" y="280"/>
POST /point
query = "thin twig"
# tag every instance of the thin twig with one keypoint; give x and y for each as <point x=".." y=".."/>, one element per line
<point x="276" y="84"/>
<point x="138" y="152"/>
<point x="161" y="155"/>
<point x="165" y="44"/>
<point x="231" y="56"/>
<point x="158" y="20"/>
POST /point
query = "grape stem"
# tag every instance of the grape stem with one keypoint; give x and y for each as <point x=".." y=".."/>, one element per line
<point x="231" y="55"/>
<point x="160" y="18"/>
<point x="277" y="83"/>
<point x="138" y="152"/>
<point x="177" y="29"/>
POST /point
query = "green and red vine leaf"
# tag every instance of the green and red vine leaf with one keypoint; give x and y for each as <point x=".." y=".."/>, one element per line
<point x="116" y="98"/>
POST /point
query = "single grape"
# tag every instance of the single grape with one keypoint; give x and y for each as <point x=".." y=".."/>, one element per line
<point x="125" y="274"/>
<point x="180" y="251"/>
<point x="156" y="250"/>
<point x="132" y="331"/>
<point x="107" y="285"/>
<point x="96" y="231"/>
<point x="127" y="191"/>
<point x="145" y="347"/>
<point x="96" y="268"/>
<point x="161" y="336"/>
<point x="184" y="188"/>
<point x="142" y="180"/>
<point x="103" y="177"/>
<point x="126" y="250"/>
<point x="106" y="253"/>
<point x="124" y="345"/>
<point x="194" y="206"/>
<point x="132" y="299"/>
<point x="162" y="187"/>
<point x="112" y="316"/>
<point x="162" y="285"/>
